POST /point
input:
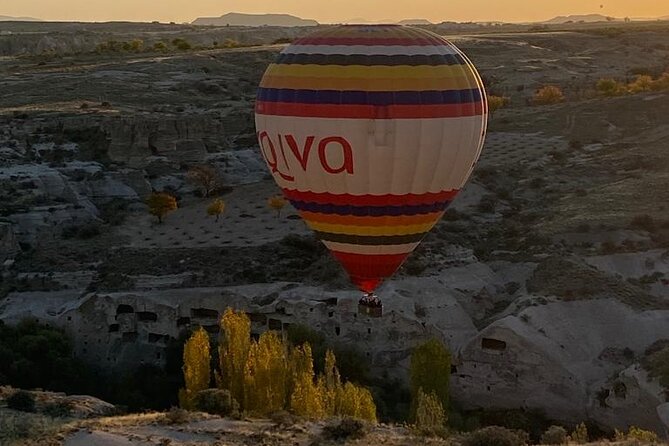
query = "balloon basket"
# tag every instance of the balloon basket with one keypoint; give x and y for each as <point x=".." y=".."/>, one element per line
<point x="370" y="306"/>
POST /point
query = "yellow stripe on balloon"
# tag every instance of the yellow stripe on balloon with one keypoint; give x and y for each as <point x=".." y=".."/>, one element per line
<point x="372" y="72"/>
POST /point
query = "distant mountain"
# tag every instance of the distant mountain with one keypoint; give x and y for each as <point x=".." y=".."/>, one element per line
<point x="415" y="22"/>
<point x="238" y="19"/>
<point x="587" y="18"/>
<point x="6" y="18"/>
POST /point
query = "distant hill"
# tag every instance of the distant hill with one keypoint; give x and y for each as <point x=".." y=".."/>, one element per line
<point x="415" y="22"/>
<point x="6" y="18"/>
<point x="587" y="18"/>
<point x="238" y="19"/>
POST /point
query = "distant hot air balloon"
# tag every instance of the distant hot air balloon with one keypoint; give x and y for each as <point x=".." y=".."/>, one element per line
<point x="371" y="131"/>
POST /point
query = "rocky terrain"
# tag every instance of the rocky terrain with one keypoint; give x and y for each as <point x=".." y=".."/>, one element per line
<point x="547" y="277"/>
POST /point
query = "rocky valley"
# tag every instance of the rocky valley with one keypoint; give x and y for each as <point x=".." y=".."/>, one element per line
<point x="547" y="278"/>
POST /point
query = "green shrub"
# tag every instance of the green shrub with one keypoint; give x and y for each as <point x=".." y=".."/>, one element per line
<point x="345" y="429"/>
<point x="496" y="436"/>
<point x="554" y="435"/>
<point x="610" y="87"/>
<point x="216" y="402"/>
<point x="22" y="401"/>
<point x="58" y="409"/>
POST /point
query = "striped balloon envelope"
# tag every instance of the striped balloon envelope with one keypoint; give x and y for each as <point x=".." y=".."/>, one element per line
<point x="371" y="132"/>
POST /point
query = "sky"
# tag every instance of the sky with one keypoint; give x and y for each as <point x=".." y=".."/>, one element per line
<point x="330" y="11"/>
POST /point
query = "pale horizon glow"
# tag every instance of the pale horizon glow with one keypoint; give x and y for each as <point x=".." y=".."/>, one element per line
<point x="332" y="11"/>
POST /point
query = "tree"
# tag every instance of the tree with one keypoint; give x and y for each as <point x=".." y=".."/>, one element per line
<point x="204" y="177"/>
<point x="641" y="84"/>
<point x="233" y="352"/>
<point x="329" y="385"/>
<point x="549" y="94"/>
<point x="497" y="102"/>
<point x="430" y="415"/>
<point x="356" y="402"/>
<point x="277" y="203"/>
<point x="216" y="208"/>
<point x="304" y="398"/>
<point x="196" y="368"/>
<point x="266" y="375"/>
<point x="160" y="204"/>
<point x="430" y="371"/>
<point x="580" y="434"/>
<point x="610" y="87"/>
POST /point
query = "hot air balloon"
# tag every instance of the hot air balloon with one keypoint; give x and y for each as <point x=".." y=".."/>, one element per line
<point x="371" y="131"/>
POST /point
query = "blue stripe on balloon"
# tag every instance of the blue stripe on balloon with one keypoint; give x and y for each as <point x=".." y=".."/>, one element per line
<point x="381" y="98"/>
<point x="372" y="211"/>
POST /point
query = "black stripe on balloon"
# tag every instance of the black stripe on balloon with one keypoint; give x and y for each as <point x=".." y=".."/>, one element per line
<point x="370" y="211"/>
<point x="354" y="97"/>
<point x="370" y="239"/>
<point x="369" y="60"/>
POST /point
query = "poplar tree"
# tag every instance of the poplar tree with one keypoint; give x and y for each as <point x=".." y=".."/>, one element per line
<point x="233" y="352"/>
<point x="430" y="371"/>
<point x="304" y="399"/>
<point x="196" y="368"/>
<point x="266" y="375"/>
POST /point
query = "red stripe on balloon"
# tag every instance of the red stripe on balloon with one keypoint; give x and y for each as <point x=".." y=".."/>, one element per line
<point x="367" y="271"/>
<point x="371" y="200"/>
<point x="369" y="111"/>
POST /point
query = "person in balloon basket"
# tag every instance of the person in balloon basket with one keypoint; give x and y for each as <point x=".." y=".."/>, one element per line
<point x="370" y="300"/>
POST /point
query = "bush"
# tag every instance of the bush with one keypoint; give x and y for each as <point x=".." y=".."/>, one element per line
<point x="58" y="409"/>
<point x="22" y="401"/>
<point x="554" y="435"/>
<point x="430" y="416"/>
<point x="345" y="429"/>
<point x="216" y="402"/>
<point x="610" y="87"/>
<point x="580" y="434"/>
<point x="497" y="102"/>
<point x="637" y="434"/>
<point x="176" y="415"/>
<point x="496" y="436"/>
<point x="642" y="84"/>
<point x="549" y="94"/>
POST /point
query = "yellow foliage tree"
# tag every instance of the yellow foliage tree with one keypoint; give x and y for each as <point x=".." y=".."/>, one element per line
<point x="216" y="208"/>
<point x="549" y="94"/>
<point x="266" y="375"/>
<point x="356" y="402"/>
<point x="277" y="203"/>
<point x="329" y="385"/>
<point x="641" y="84"/>
<point x="233" y="352"/>
<point x="305" y="400"/>
<point x="430" y="415"/>
<point x="497" y="102"/>
<point x="196" y="368"/>
<point x="160" y="204"/>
